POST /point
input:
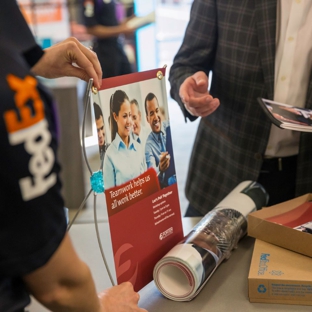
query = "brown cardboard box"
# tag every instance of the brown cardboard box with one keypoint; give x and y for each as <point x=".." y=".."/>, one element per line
<point x="277" y="234"/>
<point x="278" y="275"/>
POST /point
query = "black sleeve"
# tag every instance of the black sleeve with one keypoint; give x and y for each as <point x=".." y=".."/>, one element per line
<point x="15" y="33"/>
<point x="89" y="14"/>
<point x="33" y="55"/>
<point x="197" y="50"/>
<point x="32" y="219"/>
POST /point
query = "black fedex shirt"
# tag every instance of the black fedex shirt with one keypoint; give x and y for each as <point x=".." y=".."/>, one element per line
<point x="32" y="219"/>
<point x="98" y="12"/>
<point x="14" y="32"/>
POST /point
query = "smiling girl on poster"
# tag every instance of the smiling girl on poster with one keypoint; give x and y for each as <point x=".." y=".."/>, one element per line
<point x="124" y="159"/>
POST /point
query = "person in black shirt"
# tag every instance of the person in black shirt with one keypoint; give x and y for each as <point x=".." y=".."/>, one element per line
<point x="36" y="254"/>
<point x="101" y="22"/>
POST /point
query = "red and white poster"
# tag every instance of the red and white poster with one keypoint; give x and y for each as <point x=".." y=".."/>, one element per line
<point x="136" y="156"/>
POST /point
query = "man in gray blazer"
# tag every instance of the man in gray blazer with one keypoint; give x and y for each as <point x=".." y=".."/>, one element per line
<point x="241" y="43"/>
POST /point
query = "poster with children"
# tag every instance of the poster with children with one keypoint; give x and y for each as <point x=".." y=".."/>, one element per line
<point x="136" y="158"/>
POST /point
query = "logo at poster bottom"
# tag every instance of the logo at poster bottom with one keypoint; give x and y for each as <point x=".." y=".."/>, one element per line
<point x="166" y="233"/>
<point x="122" y="268"/>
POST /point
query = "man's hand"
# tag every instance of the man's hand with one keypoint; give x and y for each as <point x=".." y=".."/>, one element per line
<point x="69" y="58"/>
<point x="195" y="96"/>
<point x="120" y="298"/>
<point x="164" y="161"/>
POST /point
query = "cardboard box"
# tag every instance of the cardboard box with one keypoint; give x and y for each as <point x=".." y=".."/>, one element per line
<point x="283" y="236"/>
<point x="278" y="275"/>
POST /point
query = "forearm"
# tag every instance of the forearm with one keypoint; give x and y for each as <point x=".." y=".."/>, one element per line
<point x="64" y="283"/>
<point x="103" y="32"/>
<point x="79" y="295"/>
<point x="186" y="64"/>
<point x="197" y="50"/>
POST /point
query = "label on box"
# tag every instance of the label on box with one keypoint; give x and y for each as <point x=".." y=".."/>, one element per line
<point x="279" y="275"/>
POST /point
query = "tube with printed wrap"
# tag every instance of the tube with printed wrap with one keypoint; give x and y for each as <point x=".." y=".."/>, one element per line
<point x="185" y="269"/>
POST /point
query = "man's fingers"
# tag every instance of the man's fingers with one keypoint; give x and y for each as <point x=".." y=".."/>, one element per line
<point x="195" y="86"/>
<point x="183" y="92"/>
<point x="203" y="110"/>
<point x="210" y="109"/>
<point x="201" y="80"/>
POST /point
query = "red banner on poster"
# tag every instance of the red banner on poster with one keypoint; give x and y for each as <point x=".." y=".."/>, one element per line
<point x="129" y="193"/>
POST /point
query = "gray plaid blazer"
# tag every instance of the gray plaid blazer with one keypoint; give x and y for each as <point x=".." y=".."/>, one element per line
<point x="235" y="39"/>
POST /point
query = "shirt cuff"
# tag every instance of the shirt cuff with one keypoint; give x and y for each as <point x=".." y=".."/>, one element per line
<point x="33" y="55"/>
<point x="188" y="114"/>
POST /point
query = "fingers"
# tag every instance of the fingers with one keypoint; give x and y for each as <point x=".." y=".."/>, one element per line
<point x="136" y="296"/>
<point x="164" y="161"/>
<point x="120" y="298"/>
<point x="69" y="58"/>
<point x="163" y="166"/>
<point x="195" y="96"/>
<point x="87" y="60"/>
<point x="202" y="108"/>
<point x="201" y="80"/>
<point x="197" y="83"/>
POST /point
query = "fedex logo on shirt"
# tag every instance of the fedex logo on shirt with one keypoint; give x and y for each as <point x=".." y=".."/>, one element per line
<point x="26" y="124"/>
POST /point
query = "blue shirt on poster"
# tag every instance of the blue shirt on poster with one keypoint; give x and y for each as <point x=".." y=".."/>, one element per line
<point x="122" y="163"/>
<point x="155" y="145"/>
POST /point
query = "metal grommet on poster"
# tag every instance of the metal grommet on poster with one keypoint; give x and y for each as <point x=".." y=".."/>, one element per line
<point x="94" y="90"/>
<point x="159" y="75"/>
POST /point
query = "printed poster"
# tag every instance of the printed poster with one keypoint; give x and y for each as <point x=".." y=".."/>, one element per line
<point x="136" y="157"/>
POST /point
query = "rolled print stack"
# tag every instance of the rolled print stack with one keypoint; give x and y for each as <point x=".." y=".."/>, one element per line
<point x="185" y="269"/>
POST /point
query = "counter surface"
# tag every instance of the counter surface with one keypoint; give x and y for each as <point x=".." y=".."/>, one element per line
<point x="227" y="290"/>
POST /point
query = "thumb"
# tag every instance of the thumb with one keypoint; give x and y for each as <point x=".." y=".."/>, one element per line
<point x="201" y="80"/>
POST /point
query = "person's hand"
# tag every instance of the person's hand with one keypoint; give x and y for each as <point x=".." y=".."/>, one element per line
<point x="120" y="298"/>
<point x="164" y="161"/>
<point x="195" y="96"/>
<point x="69" y="58"/>
<point x="126" y="28"/>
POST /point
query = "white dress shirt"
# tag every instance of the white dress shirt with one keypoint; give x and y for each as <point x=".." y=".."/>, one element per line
<point x="293" y="62"/>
